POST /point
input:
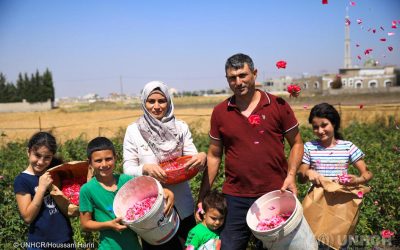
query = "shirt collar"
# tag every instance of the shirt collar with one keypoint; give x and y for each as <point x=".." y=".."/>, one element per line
<point x="264" y="100"/>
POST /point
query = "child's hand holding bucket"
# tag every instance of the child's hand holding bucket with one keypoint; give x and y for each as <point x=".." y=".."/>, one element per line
<point x="169" y="201"/>
<point x="117" y="225"/>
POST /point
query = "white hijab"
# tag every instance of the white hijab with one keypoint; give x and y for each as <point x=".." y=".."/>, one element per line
<point x="162" y="136"/>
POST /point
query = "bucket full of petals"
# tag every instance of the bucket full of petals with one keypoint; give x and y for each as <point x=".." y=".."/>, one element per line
<point x="276" y="219"/>
<point x="68" y="179"/>
<point x="140" y="202"/>
<point x="175" y="171"/>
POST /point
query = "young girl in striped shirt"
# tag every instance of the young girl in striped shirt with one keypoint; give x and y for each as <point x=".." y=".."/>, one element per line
<point x="330" y="155"/>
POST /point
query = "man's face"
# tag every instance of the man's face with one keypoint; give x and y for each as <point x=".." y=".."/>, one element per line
<point x="241" y="81"/>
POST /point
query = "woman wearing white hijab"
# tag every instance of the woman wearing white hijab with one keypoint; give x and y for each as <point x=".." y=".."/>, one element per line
<point x="157" y="137"/>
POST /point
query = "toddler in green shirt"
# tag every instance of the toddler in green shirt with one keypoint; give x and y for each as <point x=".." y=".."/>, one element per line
<point x="205" y="235"/>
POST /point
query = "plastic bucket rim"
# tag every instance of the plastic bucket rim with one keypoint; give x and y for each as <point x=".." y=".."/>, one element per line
<point x="279" y="227"/>
<point x="151" y="210"/>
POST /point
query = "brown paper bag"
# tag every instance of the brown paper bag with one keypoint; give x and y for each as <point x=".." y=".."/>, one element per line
<point x="332" y="211"/>
<point x="67" y="171"/>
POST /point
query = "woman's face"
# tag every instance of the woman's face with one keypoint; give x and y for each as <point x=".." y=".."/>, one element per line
<point x="157" y="105"/>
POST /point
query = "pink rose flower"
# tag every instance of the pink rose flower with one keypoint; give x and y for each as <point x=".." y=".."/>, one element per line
<point x="254" y="120"/>
<point x="294" y="90"/>
<point x="386" y="234"/>
<point x="281" y="65"/>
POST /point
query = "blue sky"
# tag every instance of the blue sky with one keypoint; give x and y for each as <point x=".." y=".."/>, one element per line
<point x="90" y="46"/>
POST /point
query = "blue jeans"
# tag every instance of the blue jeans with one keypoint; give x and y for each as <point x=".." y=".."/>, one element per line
<point x="235" y="233"/>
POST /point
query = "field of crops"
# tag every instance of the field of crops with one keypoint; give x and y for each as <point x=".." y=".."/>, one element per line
<point x="373" y="128"/>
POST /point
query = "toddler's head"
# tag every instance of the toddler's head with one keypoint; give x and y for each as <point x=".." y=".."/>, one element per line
<point x="214" y="206"/>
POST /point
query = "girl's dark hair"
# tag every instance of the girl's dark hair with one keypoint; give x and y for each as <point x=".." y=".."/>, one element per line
<point x="216" y="200"/>
<point x="327" y="111"/>
<point x="42" y="139"/>
<point x="98" y="144"/>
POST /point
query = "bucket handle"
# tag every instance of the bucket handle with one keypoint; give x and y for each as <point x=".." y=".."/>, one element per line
<point x="160" y="223"/>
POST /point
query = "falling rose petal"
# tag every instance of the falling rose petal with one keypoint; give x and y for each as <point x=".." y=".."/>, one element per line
<point x="394" y="24"/>
<point x="305" y="106"/>
<point x="367" y="51"/>
<point x="357" y="45"/>
<point x="390" y="48"/>
<point x="281" y="64"/>
<point x="391" y="33"/>
<point x="352" y="3"/>
<point x="360" y="194"/>
<point x="294" y="90"/>
<point x="374" y="31"/>
<point x="324" y="1"/>
<point x="382" y="28"/>
<point x="347" y="21"/>
<point x="359" y="21"/>
<point x="383" y="39"/>
<point x="359" y="57"/>
<point x="361" y="106"/>
<point x="369" y="30"/>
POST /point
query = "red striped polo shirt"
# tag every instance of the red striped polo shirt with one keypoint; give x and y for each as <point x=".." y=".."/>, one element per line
<point x="255" y="161"/>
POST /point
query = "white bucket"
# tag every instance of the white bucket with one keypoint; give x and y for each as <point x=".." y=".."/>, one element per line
<point x="293" y="234"/>
<point x="153" y="227"/>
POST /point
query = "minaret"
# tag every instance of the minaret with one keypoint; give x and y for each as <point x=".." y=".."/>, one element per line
<point x="347" y="55"/>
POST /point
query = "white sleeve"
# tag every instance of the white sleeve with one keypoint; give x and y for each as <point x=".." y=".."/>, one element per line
<point x="188" y="146"/>
<point x="131" y="163"/>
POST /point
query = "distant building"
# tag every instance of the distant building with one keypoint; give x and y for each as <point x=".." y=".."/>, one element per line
<point x="369" y="78"/>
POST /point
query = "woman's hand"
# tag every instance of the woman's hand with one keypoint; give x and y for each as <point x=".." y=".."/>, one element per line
<point x="169" y="201"/>
<point x="197" y="161"/>
<point x="313" y="176"/>
<point x="155" y="171"/>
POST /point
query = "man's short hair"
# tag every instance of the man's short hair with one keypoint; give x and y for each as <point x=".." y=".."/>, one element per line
<point x="238" y="61"/>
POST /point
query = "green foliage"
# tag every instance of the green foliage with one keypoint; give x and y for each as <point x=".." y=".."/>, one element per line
<point x="379" y="142"/>
<point x="37" y="88"/>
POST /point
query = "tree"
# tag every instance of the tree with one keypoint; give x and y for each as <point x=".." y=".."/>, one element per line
<point x="337" y="83"/>
<point x="48" y="87"/>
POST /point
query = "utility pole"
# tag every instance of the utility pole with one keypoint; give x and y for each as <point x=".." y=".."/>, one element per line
<point x="121" y="88"/>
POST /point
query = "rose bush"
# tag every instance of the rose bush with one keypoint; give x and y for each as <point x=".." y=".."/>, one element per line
<point x="377" y="140"/>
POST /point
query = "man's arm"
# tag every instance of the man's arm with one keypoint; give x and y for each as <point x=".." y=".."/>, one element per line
<point x="213" y="161"/>
<point x="296" y="153"/>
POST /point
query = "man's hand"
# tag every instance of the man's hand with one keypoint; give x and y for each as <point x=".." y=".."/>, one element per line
<point x="290" y="183"/>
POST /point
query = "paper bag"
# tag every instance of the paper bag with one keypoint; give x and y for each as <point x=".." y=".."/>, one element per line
<point x="69" y="170"/>
<point x="332" y="211"/>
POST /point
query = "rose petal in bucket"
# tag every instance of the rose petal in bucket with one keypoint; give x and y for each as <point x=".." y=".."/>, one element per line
<point x="292" y="234"/>
<point x="175" y="171"/>
<point x="152" y="226"/>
